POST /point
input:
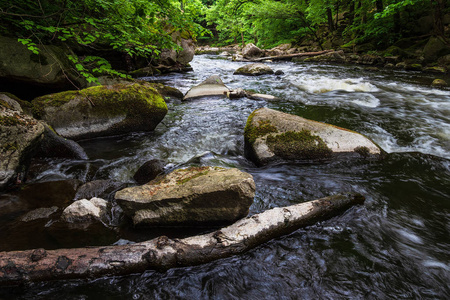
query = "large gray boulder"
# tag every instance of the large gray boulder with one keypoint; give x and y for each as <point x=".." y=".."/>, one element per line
<point x="183" y="56"/>
<point x="102" y="110"/>
<point x="20" y="135"/>
<point x="271" y="136"/>
<point x="193" y="196"/>
<point x="212" y="86"/>
<point x="50" y="68"/>
<point x="254" y="70"/>
<point x="252" y="51"/>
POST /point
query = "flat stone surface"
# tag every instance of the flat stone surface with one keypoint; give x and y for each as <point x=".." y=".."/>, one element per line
<point x="192" y="196"/>
<point x="212" y="86"/>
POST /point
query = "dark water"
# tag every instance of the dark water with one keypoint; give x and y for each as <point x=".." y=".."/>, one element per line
<point x="395" y="246"/>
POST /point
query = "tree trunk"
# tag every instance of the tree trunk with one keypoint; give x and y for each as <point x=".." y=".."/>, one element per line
<point x="397" y="27"/>
<point x="337" y="14"/>
<point x="163" y="253"/>
<point x="438" y="25"/>
<point x="351" y="11"/>
<point x="330" y="19"/>
<point x="289" y="56"/>
<point x="379" y="5"/>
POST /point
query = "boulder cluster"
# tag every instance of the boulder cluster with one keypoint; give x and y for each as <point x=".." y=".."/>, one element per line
<point x="51" y="125"/>
<point x="433" y="57"/>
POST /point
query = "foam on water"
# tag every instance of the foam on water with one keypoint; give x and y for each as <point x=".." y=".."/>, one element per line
<point x="368" y="100"/>
<point x="323" y="85"/>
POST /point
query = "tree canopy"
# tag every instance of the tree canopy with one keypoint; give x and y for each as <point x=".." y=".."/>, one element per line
<point x="141" y="28"/>
<point x="271" y="22"/>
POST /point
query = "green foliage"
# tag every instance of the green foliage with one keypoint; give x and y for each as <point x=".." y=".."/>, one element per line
<point x="139" y="28"/>
<point x="272" y="22"/>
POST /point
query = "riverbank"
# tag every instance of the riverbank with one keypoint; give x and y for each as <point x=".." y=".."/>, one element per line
<point x="426" y="60"/>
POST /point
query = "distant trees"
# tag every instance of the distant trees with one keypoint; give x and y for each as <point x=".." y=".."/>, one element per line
<point x="270" y="22"/>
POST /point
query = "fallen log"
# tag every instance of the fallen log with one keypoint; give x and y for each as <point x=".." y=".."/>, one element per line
<point x="289" y="56"/>
<point x="162" y="253"/>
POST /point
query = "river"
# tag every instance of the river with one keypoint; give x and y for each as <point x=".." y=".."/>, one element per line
<point x="395" y="246"/>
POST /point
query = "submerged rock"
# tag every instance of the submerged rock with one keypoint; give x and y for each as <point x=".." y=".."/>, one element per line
<point x="193" y="196"/>
<point x="99" y="189"/>
<point x="102" y="110"/>
<point x="271" y="135"/>
<point x="53" y="145"/>
<point x="20" y="135"/>
<point x="167" y="92"/>
<point x="212" y="86"/>
<point x="254" y="70"/>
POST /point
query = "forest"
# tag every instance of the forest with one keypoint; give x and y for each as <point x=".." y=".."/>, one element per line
<point x="141" y="28"/>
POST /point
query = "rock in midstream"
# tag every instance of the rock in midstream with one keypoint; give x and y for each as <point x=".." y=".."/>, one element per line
<point x="192" y="196"/>
<point x="212" y="86"/>
<point x="254" y="70"/>
<point x="272" y="135"/>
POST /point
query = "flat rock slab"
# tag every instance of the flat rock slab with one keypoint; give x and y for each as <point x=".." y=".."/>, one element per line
<point x="193" y="196"/>
<point x="212" y="86"/>
<point x="271" y="135"/>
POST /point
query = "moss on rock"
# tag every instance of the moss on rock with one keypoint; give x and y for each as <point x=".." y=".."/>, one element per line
<point x="298" y="145"/>
<point x="251" y="132"/>
<point x="102" y="110"/>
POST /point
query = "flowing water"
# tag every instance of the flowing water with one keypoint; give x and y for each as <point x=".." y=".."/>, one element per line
<point x="395" y="246"/>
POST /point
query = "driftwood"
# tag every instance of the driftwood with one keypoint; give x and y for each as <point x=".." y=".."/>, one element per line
<point x="289" y="56"/>
<point x="162" y="253"/>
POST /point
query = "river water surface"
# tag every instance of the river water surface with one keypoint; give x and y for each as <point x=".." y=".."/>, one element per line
<point x="395" y="246"/>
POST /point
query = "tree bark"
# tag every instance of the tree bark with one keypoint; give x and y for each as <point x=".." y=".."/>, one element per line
<point x="289" y="56"/>
<point x="162" y="253"/>
<point x="330" y="19"/>
<point x="438" y="25"/>
<point x="379" y="5"/>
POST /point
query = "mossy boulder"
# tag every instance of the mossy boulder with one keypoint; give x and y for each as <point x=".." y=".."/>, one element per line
<point x="212" y="86"/>
<point x="435" y="48"/>
<point x="439" y="83"/>
<point x="272" y="136"/>
<point x="190" y="197"/>
<point x="254" y="70"/>
<point x="20" y="135"/>
<point x="102" y="110"/>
